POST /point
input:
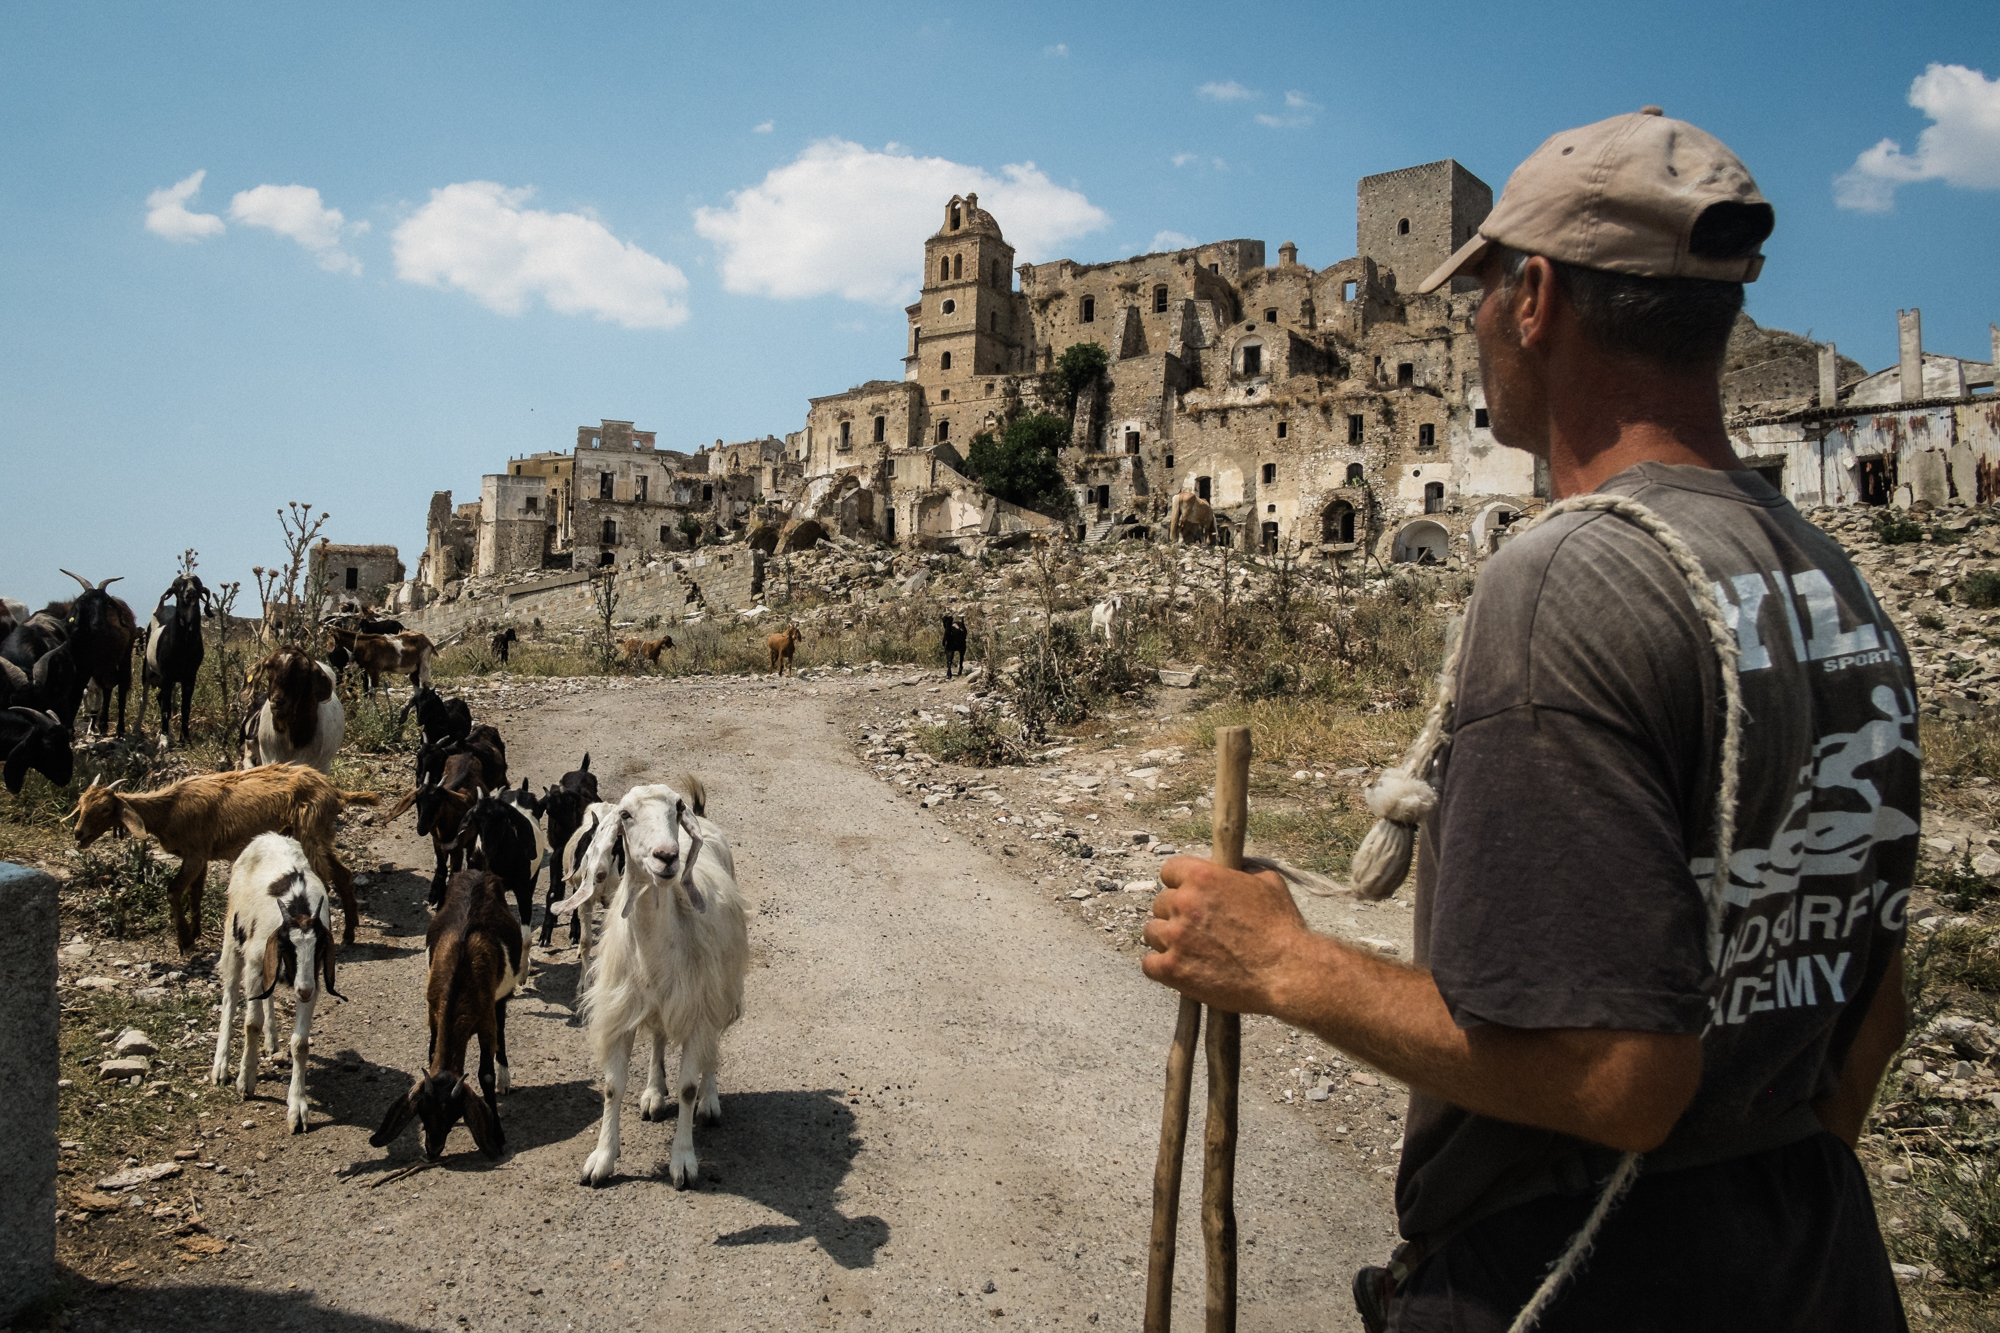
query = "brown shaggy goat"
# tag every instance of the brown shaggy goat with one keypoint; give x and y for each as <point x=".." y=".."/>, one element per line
<point x="213" y="817"/>
<point x="379" y="655"/>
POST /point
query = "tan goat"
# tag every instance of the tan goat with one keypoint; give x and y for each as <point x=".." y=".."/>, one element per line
<point x="782" y="647"/>
<point x="213" y="817"/>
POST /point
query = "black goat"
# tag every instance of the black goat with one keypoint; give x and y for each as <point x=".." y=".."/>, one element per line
<point x="563" y="806"/>
<point x="174" y="652"/>
<point x="378" y="626"/>
<point x="502" y="640"/>
<point x="510" y="842"/>
<point x="53" y="684"/>
<point x="441" y="806"/>
<point x="441" y="718"/>
<point x="485" y="742"/>
<point x="478" y="959"/>
<point x="954" y="644"/>
<point x="30" y="639"/>
<point x="101" y="631"/>
<point x="40" y="741"/>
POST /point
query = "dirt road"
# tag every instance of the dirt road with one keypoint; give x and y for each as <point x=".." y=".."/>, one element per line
<point x="940" y="1108"/>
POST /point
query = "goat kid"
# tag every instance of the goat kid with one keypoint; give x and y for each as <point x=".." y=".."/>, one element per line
<point x="502" y="641"/>
<point x="300" y="722"/>
<point x="782" y="646"/>
<point x="277" y="928"/>
<point x="954" y="644"/>
<point x="213" y="817"/>
<point x="672" y="963"/>
<point x="478" y="959"/>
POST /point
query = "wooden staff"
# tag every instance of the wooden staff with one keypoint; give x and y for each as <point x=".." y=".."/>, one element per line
<point x="1224" y="1049"/>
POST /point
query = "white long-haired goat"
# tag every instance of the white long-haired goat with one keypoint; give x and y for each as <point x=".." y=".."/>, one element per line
<point x="278" y="927"/>
<point x="671" y="963"/>
<point x="1102" y="614"/>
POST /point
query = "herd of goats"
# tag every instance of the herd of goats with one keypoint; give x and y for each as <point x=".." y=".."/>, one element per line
<point x="670" y="952"/>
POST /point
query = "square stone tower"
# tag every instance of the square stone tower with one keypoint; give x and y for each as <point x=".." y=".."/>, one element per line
<point x="963" y="324"/>
<point x="1409" y="221"/>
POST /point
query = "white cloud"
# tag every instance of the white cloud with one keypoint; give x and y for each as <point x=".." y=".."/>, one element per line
<point x="476" y="236"/>
<point x="764" y="128"/>
<point x="1184" y="159"/>
<point x="845" y="219"/>
<point x="1170" y="240"/>
<point x="1298" y="113"/>
<point x="1231" y="91"/>
<point x="167" y="214"/>
<point x="1960" y="147"/>
<point x="1058" y="50"/>
<point x="296" y="211"/>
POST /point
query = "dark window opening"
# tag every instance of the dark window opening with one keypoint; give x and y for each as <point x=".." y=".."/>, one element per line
<point x="604" y="485"/>
<point x="707" y="492"/>
<point x="1403" y="227"/>
<point x="846" y="441"/>
<point x="950" y="307"/>
<point x="1131" y="441"/>
<point x="1406" y="374"/>
<point x="889" y="524"/>
<point x="517" y="469"/>
<point x="1427" y="439"/>
<point x="944" y="431"/>
<point x="1271" y="316"/>
<point x="610" y="534"/>
<point x="1878" y="479"/>
<point x="1354" y="474"/>
<point x="881" y="429"/>
<point x="999" y="278"/>
<point x="1270" y="539"/>
<point x="1480" y="419"/>
<point x="353" y="578"/>
<point x="604" y="558"/>
<point x="944" y="361"/>
<point x="1282" y="427"/>
<point x="1253" y="360"/>
<point x="639" y="489"/>
<point x="944" y="270"/>
<point x="534" y="504"/>
<point x="944" y="395"/>
<point x="958" y="266"/>
<point x="1160" y="300"/>
<point x="1775" y="474"/>
<point x="1336" y="523"/>
<point x="1433" y="497"/>
<point x="665" y="535"/>
<point x="1201" y="487"/>
<point x="1270" y="472"/>
<point x="1104" y="497"/>
<point x="1090" y="310"/>
<point x="1170" y="460"/>
<point x="1347" y="291"/>
<point x="1354" y="430"/>
<point x="955" y="217"/>
<point x="1215" y="268"/>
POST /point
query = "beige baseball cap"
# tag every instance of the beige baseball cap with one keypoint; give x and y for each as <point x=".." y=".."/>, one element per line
<point x="1633" y="194"/>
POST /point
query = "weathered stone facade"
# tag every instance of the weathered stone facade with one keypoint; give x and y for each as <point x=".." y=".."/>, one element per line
<point x="358" y="572"/>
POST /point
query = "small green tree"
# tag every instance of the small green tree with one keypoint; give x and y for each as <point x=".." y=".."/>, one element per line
<point x="1020" y="467"/>
<point x="1077" y="369"/>
<point x="605" y="599"/>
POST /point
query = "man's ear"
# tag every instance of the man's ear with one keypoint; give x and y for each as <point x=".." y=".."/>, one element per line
<point x="1534" y="297"/>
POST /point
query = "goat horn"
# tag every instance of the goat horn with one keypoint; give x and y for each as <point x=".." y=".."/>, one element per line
<point x="79" y="578"/>
<point x="116" y="785"/>
<point x="16" y="678"/>
<point x="119" y="579"/>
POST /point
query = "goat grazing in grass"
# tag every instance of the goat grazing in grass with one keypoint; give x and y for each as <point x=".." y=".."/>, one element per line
<point x="278" y="927"/>
<point x="379" y="655"/>
<point x="954" y="644"/>
<point x="174" y="652"/>
<point x="671" y="963"/>
<point x="101" y="631"/>
<point x="213" y="817"/>
<point x="503" y="640"/>
<point x="479" y="958"/>
<point x="1103" y="613"/>
<point x="782" y="646"/>
<point x="563" y="808"/>
<point x="300" y="721"/>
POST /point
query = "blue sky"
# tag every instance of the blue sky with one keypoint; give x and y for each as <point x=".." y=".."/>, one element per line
<point x="548" y="215"/>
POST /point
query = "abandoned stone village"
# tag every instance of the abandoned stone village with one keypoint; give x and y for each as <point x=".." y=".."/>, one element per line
<point x="1324" y="410"/>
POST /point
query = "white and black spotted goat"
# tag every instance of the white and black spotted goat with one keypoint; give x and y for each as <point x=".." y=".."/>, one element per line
<point x="278" y="928"/>
<point x="671" y="963"/>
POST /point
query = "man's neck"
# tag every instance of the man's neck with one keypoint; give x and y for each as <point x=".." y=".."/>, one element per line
<point x="1610" y="419"/>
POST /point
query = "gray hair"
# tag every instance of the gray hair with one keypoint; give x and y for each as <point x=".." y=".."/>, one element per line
<point x="1683" y="324"/>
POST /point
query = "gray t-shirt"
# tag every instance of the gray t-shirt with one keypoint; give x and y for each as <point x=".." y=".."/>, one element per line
<point x="1560" y="884"/>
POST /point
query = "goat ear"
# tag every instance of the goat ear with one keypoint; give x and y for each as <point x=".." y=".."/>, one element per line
<point x="479" y="1118"/>
<point x="16" y="771"/>
<point x="273" y="962"/>
<point x="323" y="935"/>
<point x="398" y="1118"/>
<point x="129" y="817"/>
<point x="584" y="767"/>
<point x="688" y="862"/>
<point x="322" y="687"/>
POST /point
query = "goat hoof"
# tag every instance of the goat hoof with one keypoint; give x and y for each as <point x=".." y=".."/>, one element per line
<point x="597" y="1168"/>
<point x="652" y="1105"/>
<point x="683" y="1170"/>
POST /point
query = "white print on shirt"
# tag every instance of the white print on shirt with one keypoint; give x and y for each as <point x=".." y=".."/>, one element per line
<point x="1837" y="819"/>
<point x="1819" y="639"/>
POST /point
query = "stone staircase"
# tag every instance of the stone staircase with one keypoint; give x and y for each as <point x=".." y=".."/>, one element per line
<point x="1099" y="530"/>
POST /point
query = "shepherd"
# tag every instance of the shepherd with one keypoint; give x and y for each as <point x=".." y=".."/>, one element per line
<point x="1668" y="805"/>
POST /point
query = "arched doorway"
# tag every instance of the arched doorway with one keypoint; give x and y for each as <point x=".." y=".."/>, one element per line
<point x="1422" y="543"/>
<point x="1336" y="522"/>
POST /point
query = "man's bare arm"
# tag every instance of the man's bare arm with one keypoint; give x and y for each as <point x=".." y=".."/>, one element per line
<point x="1238" y="942"/>
<point x="1880" y="1037"/>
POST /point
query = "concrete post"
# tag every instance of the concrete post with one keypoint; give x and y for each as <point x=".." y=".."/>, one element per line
<point x="28" y="1068"/>
<point x="1994" y="329"/>
<point x="1910" y="348"/>
<point x="1829" y="376"/>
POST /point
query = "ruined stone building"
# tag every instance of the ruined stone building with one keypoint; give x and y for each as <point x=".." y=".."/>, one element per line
<point x="359" y="573"/>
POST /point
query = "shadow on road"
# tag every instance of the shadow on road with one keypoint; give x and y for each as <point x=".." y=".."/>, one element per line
<point x="789" y="1151"/>
<point x="96" y="1307"/>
